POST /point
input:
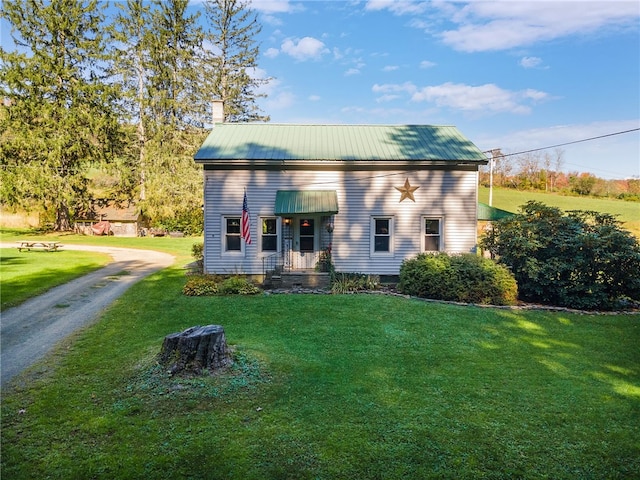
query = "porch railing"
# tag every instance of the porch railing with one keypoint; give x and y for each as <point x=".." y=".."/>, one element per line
<point x="275" y="264"/>
<point x="272" y="265"/>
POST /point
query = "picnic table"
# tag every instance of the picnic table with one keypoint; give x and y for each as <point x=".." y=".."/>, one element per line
<point x="38" y="245"/>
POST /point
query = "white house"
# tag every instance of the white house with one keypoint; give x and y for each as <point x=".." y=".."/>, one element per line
<point x="372" y="195"/>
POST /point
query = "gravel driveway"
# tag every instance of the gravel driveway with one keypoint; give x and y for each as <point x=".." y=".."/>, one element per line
<point x="30" y="330"/>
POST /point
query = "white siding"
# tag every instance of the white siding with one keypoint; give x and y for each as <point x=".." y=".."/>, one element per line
<point x="450" y="195"/>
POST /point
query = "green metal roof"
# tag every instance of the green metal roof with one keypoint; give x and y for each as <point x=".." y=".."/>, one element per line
<point x="488" y="213"/>
<point x="293" y="202"/>
<point x="280" y="142"/>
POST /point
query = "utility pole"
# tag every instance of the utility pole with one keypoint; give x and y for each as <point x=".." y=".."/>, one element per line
<point x="495" y="153"/>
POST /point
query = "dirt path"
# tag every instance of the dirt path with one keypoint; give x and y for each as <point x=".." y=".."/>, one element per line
<point x="30" y="330"/>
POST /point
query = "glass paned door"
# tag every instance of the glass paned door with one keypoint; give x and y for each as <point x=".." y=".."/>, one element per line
<point x="307" y="235"/>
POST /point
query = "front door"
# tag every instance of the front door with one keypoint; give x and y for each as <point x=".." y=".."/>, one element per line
<point x="305" y="243"/>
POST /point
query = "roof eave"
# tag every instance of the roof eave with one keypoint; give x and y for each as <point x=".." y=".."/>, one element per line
<point x="244" y="163"/>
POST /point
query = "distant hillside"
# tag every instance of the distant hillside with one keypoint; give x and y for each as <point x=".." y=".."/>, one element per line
<point x="509" y="199"/>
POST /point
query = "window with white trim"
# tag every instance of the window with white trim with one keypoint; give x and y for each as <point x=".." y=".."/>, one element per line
<point x="231" y="234"/>
<point x="381" y="235"/>
<point x="432" y="234"/>
<point x="269" y="234"/>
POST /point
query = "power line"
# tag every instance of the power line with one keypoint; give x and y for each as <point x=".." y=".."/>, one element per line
<point x="564" y="144"/>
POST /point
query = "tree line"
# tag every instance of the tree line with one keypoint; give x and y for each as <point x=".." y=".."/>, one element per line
<point x="544" y="172"/>
<point x="108" y="103"/>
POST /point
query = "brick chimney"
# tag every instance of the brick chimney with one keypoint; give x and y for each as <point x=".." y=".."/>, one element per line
<point x="217" y="111"/>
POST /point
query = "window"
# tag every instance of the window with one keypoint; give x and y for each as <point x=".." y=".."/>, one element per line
<point x="382" y="241"/>
<point x="232" y="241"/>
<point x="432" y="234"/>
<point x="269" y="231"/>
<point x="307" y="234"/>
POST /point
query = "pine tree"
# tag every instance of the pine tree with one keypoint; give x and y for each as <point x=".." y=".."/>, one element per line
<point x="157" y="58"/>
<point x="130" y="63"/>
<point x="175" y="113"/>
<point x="58" y="115"/>
<point x="234" y="60"/>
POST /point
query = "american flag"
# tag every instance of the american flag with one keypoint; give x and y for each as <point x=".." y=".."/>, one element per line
<point x="245" y="225"/>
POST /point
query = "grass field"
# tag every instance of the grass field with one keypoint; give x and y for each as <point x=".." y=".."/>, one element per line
<point x="25" y="274"/>
<point x="175" y="246"/>
<point x="510" y="199"/>
<point x="332" y="387"/>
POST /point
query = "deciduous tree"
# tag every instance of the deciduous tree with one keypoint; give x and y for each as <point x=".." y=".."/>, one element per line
<point x="578" y="259"/>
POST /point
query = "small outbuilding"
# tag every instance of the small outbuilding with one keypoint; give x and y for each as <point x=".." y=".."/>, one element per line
<point x="125" y="221"/>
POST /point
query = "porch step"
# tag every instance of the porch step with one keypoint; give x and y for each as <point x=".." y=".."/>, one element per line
<point x="305" y="280"/>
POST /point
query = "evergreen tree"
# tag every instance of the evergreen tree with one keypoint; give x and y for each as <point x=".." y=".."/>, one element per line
<point x="130" y="64"/>
<point x="58" y="115"/>
<point x="176" y="82"/>
<point x="175" y="114"/>
<point x="234" y="59"/>
<point x="157" y="57"/>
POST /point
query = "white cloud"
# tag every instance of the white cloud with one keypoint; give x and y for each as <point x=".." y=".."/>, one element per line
<point x="315" y="98"/>
<point x="535" y="95"/>
<point x="427" y="64"/>
<point x="402" y="7"/>
<point x="619" y="151"/>
<point x="390" y="68"/>
<point x="273" y="6"/>
<point x="351" y="71"/>
<point x="281" y="101"/>
<point x="269" y="9"/>
<point x="387" y="98"/>
<point x="272" y="52"/>
<point x="530" y="62"/>
<point x="483" y="98"/>
<point x="304" y="49"/>
<point x="387" y="88"/>
<point x="485" y="26"/>
<point x="557" y="134"/>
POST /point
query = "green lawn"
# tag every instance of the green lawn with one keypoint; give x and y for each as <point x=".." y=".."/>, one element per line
<point x="510" y="199"/>
<point x="174" y="246"/>
<point x="25" y="274"/>
<point x="332" y="387"/>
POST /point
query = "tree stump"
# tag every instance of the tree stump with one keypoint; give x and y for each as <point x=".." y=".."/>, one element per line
<point x="195" y="350"/>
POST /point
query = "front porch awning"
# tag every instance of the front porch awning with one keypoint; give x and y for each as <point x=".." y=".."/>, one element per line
<point x="301" y="202"/>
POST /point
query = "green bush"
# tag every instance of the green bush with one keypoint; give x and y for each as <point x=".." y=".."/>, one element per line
<point x="461" y="278"/>
<point x="189" y="221"/>
<point x="197" y="252"/>
<point x="237" y="285"/>
<point x="354" y="282"/>
<point x="577" y="259"/>
<point x="201" y="285"/>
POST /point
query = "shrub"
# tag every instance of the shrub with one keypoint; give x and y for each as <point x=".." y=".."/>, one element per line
<point x="461" y="278"/>
<point x="577" y="259"/>
<point x="354" y="282"/>
<point x="237" y="285"/>
<point x="188" y="220"/>
<point x="203" y="285"/>
<point x="197" y="252"/>
<point x="200" y="285"/>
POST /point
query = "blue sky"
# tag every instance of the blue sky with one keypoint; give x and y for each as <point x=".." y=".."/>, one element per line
<point x="513" y="75"/>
